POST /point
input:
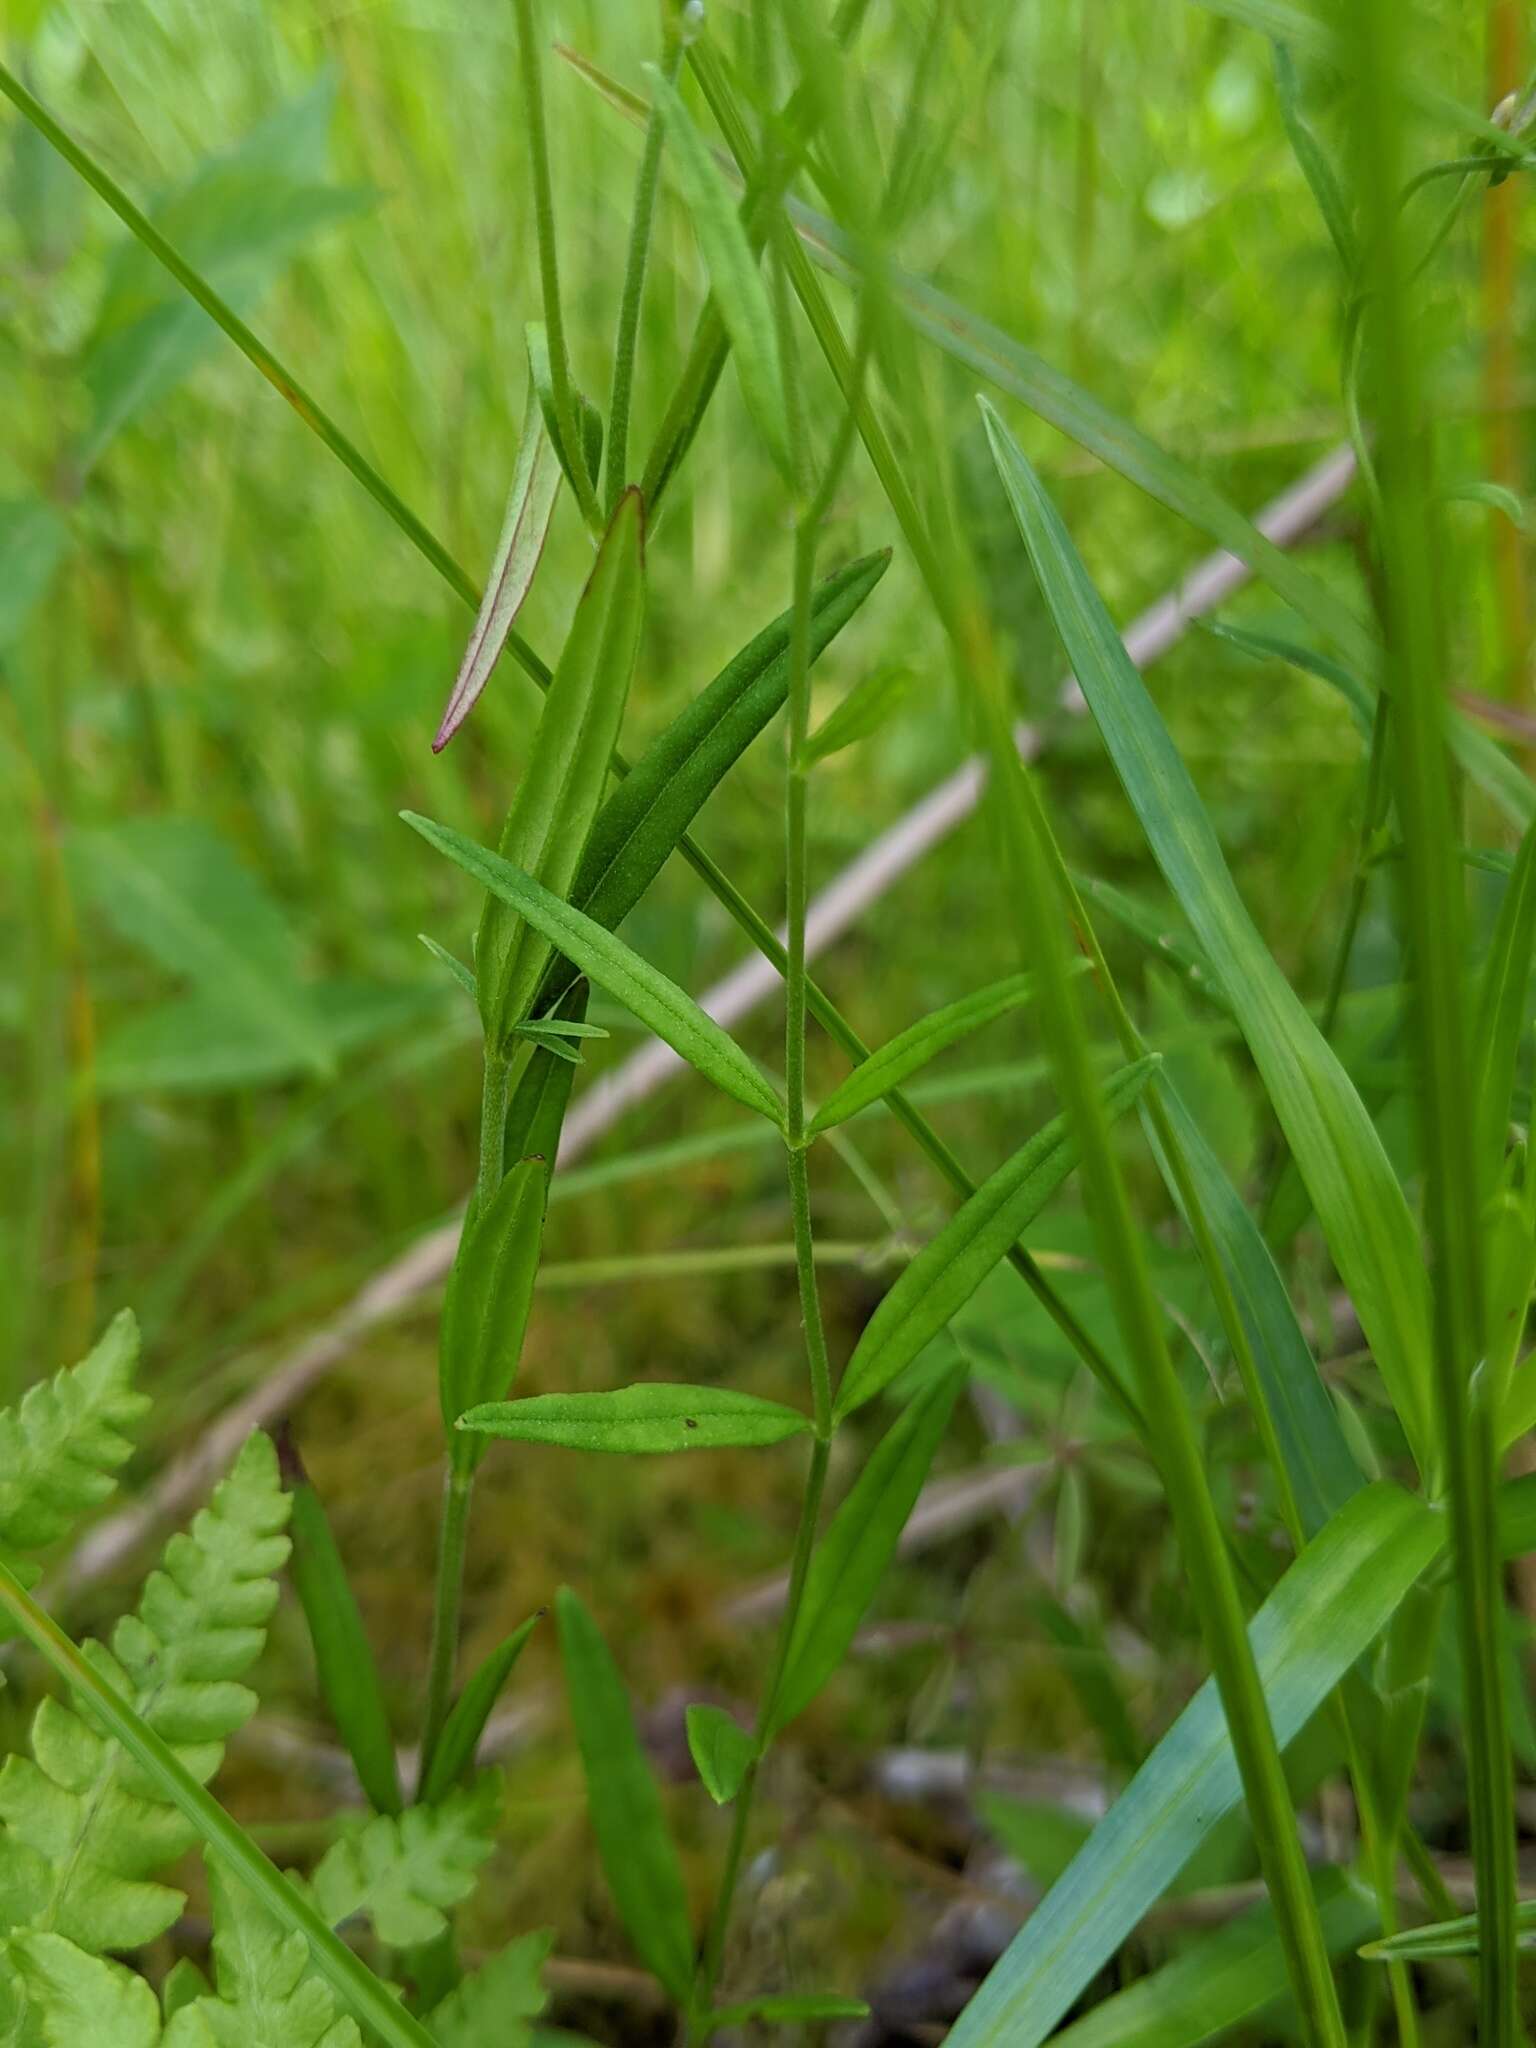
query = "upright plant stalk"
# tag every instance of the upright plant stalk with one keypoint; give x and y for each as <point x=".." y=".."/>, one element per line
<point x="1435" y="916"/>
<point x="531" y="77"/>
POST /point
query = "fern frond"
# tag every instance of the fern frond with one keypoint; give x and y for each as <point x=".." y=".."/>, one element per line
<point x="499" y="2002"/>
<point x="269" y="1995"/>
<point x="405" y="1870"/>
<point x="83" y="1830"/>
<point x="60" y="1449"/>
<point x="78" y="1999"/>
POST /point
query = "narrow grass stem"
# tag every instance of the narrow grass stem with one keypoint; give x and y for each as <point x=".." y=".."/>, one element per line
<point x="530" y="71"/>
<point x="624" y="347"/>
<point x="452" y="1542"/>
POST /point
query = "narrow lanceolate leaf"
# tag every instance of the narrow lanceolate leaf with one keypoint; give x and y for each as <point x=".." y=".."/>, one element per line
<point x="737" y="283"/>
<point x="562" y="786"/>
<point x="1320" y="1468"/>
<point x="722" y="1751"/>
<point x="75" y="1998"/>
<point x="454" y="1754"/>
<point x="913" y="1048"/>
<point x="659" y="798"/>
<point x="1445" y="1938"/>
<point x="1222" y="1980"/>
<point x="63" y="1445"/>
<point x="344" y="1661"/>
<point x="952" y="1265"/>
<point x="869" y="704"/>
<point x="656" y="1001"/>
<point x="632" y="1839"/>
<point x="1358" y="1200"/>
<point x="589" y="421"/>
<point x="539" y="1102"/>
<point x="1503" y="1007"/>
<point x="649" y="1418"/>
<point x="489" y="1296"/>
<point x="860" y="1541"/>
<point x="1323" y="1615"/>
<point x="404" y="1872"/>
<point x="530" y="503"/>
<point x="1313" y="161"/>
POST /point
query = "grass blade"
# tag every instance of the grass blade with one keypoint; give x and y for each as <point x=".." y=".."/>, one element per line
<point x="739" y="291"/>
<point x="1221" y="1980"/>
<point x="344" y="1660"/>
<point x="651" y="1418"/>
<point x="860" y="1541"/>
<point x="454" y="1754"/>
<point x="1458" y="1937"/>
<point x="657" y="1002"/>
<point x="1326" y="1611"/>
<point x="1353" y="1188"/>
<point x="632" y="1838"/>
<point x="530" y="506"/>
<point x="892" y="1063"/>
<point x="952" y="1265"/>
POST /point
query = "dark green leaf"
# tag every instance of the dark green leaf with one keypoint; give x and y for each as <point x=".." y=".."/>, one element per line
<point x="454" y="1756"/>
<point x="860" y="1541"/>
<point x="952" y="1265"/>
<point x="632" y="1838"/>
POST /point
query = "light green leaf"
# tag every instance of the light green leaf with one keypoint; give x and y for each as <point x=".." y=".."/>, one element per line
<point x="632" y="1838"/>
<point x="405" y="1871"/>
<point x="497" y="2003"/>
<point x="1315" y="166"/>
<point x="1221" y="1981"/>
<point x="589" y="421"/>
<point x="33" y="542"/>
<point x="562" y="787"/>
<point x="952" y="1265"/>
<point x="1326" y="1611"/>
<point x="454" y="1753"/>
<point x="851" y="1558"/>
<point x="656" y="1001"/>
<point x="722" y="1750"/>
<point x="867" y="706"/>
<point x="654" y="1417"/>
<point x="737" y="283"/>
<point x="1359" y="1203"/>
<point x="63" y="1444"/>
<point x="80" y="2000"/>
<point x="899" y="1057"/>
<point x="268" y="1992"/>
<point x="530" y="506"/>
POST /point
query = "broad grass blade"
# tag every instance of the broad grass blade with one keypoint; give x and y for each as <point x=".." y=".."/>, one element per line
<point x="1326" y="1611"/>
<point x="652" y="1418"/>
<point x="632" y="1839"/>
<point x="453" y="1757"/>
<point x="530" y="505"/>
<point x="913" y="1048"/>
<point x="656" y="1001"/>
<point x="739" y="291"/>
<point x="860" y="1541"/>
<point x="344" y="1661"/>
<point x="1358" y="1200"/>
<point x="562" y="787"/>
<point x="952" y="1265"/>
<point x="1220" y="1981"/>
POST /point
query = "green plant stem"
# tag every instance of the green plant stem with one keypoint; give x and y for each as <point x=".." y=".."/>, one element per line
<point x="530" y="72"/>
<point x="452" y="1542"/>
<point x="494" y="1095"/>
<point x="432" y="550"/>
<point x="373" y="2005"/>
<point x="634" y="284"/>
